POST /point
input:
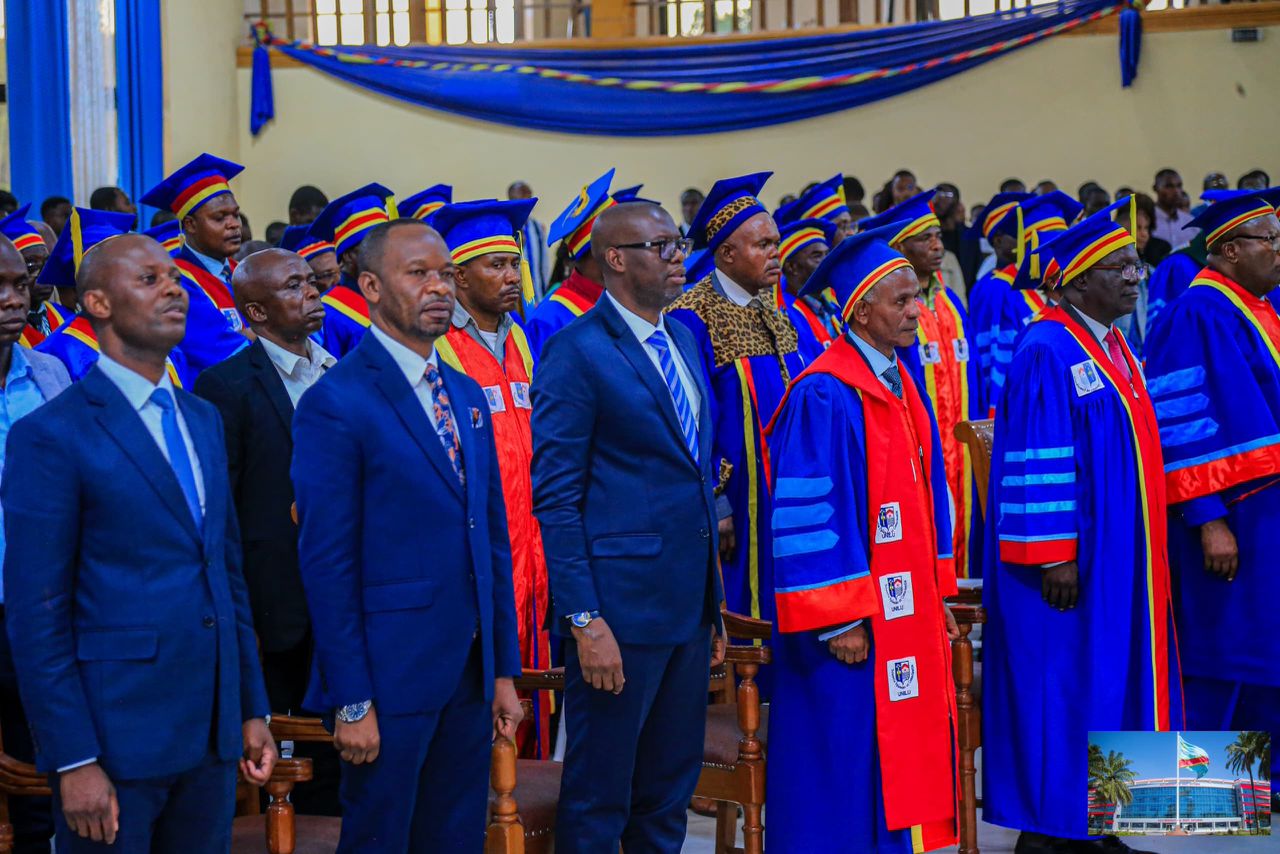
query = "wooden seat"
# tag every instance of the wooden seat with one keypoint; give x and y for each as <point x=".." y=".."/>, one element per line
<point x="978" y="437"/>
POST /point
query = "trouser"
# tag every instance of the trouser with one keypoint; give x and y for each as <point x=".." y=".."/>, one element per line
<point x="286" y="673"/>
<point x="32" y="818"/>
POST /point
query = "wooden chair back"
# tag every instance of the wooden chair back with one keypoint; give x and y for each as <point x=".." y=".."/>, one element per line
<point x="978" y="437"/>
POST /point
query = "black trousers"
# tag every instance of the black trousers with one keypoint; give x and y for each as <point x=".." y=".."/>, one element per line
<point x="286" y="673"/>
<point x="32" y="818"/>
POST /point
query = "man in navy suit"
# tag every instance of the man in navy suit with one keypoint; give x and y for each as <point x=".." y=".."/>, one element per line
<point x="406" y="563"/>
<point x="126" y="609"/>
<point x="622" y="487"/>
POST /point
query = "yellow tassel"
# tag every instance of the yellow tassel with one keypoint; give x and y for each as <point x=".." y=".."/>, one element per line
<point x="77" y="239"/>
<point x="1021" y="236"/>
<point x="526" y="276"/>
<point x="393" y="213"/>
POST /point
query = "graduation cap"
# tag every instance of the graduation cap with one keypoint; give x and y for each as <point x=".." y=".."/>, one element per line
<point x="824" y="201"/>
<point x="1229" y="209"/>
<point x="1087" y="242"/>
<point x="423" y="205"/>
<point x="632" y="194"/>
<point x="472" y="229"/>
<point x="184" y="191"/>
<point x="573" y="226"/>
<point x="916" y="214"/>
<point x="84" y="230"/>
<point x="298" y="238"/>
<point x="345" y="220"/>
<point x="857" y="264"/>
<point x="1000" y="206"/>
<point x="1038" y="267"/>
<point x="167" y="234"/>
<point x="805" y="232"/>
<point x="729" y="203"/>
<point x="22" y="233"/>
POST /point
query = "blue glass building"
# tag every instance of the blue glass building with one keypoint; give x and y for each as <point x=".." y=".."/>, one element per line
<point x="1204" y="806"/>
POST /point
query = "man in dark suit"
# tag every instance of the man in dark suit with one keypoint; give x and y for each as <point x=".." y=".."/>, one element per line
<point x="622" y="486"/>
<point x="126" y="610"/>
<point x="255" y="392"/>
<point x="406" y="563"/>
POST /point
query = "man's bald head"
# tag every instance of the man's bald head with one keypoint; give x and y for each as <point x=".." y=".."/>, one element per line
<point x="132" y="293"/>
<point x="253" y="276"/>
<point x="623" y="224"/>
<point x="645" y="279"/>
<point x="276" y="291"/>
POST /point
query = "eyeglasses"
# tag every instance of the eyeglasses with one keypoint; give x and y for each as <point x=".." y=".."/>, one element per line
<point x="1128" y="272"/>
<point x="1273" y="239"/>
<point x="666" y="248"/>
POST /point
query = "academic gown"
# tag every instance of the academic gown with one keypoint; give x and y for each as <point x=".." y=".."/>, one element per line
<point x="1018" y="307"/>
<point x="1076" y="474"/>
<point x="748" y="367"/>
<point x="213" y="322"/>
<point x="941" y="363"/>
<point x="1169" y="280"/>
<point x="575" y="297"/>
<point x="813" y="334"/>
<point x="76" y="346"/>
<point x="1214" y="368"/>
<point x="985" y="301"/>
<point x="346" y="317"/>
<point x="846" y="457"/>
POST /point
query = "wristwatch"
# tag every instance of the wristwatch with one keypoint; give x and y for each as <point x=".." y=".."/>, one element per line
<point x="354" y="712"/>
<point x="583" y="618"/>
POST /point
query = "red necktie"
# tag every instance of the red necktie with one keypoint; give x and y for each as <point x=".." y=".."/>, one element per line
<point x="1116" y="352"/>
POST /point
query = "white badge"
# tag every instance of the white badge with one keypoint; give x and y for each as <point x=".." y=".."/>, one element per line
<point x="493" y="394"/>
<point x="520" y="395"/>
<point x="889" y="523"/>
<point x="903" y="679"/>
<point x="930" y="353"/>
<point x="1086" y="377"/>
<point x="897" y="596"/>
<point x="961" y="348"/>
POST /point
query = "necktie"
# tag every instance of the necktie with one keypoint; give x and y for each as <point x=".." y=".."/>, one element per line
<point x="445" y="426"/>
<point x="894" y="379"/>
<point x="177" y="448"/>
<point x="1112" y="340"/>
<point x="688" y="423"/>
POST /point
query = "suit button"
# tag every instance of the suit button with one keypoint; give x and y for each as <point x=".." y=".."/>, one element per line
<point x="704" y="533"/>
<point x="209" y="622"/>
<point x="471" y="522"/>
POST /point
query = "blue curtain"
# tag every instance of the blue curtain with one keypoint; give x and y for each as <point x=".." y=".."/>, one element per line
<point x="677" y="90"/>
<point x="39" y="89"/>
<point x="139" y="97"/>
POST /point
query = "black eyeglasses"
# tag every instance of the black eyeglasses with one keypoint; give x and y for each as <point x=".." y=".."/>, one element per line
<point x="667" y="248"/>
<point x="1273" y="239"/>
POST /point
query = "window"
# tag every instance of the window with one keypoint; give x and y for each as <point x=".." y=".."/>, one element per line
<point x="688" y="17"/>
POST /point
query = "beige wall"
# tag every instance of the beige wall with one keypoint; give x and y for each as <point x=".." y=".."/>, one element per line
<point x="201" y="99"/>
<point x="1051" y="110"/>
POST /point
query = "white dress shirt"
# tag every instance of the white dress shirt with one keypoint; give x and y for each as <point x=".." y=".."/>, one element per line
<point x="737" y="294"/>
<point x="299" y="373"/>
<point x="1171" y="227"/>
<point x="642" y="329"/>
<point x="1100" y="330"/>
<point x="137" y="389"/>
<point x="414" y="368"/>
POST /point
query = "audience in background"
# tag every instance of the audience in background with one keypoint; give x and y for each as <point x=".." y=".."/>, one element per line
<point x="305" y="205"/>
<point x="55" y="210"/>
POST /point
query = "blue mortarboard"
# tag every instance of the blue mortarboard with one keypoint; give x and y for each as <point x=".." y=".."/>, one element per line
<point x="994" y="213"/>
<point x="857" y="264"/>
<point x="823" y="201"/>
<point x="1086" y="243"/>
<point x="729" y="203"/>
<point x="83" y="231"/>
<point x="194" y="184"/>
<point x="423" y="205"/>
<point x="167" y="234"/>
<point x="697" y="266"/>
<point x="573" y="226"/>
<point x="629" y="194"/>
<point x="1229" y="209"/>
<point x="804" y="232"/>
<point x="916" y="214"/>
<point x="298" y="238"/>
<point x="1038" y="266"/>
<point x="22" y="233"/>
<point x="345" y="220"/>
<point x="472" y="229"/>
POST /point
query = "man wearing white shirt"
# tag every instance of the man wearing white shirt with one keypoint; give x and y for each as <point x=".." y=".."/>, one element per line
<point x="1171" y="219"/>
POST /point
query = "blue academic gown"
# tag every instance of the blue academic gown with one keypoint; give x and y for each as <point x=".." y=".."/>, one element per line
<point x="340" y="332"/>
<point x="745" y="392"/>
<point x="1169" y="280"/>
<point x="210" y="335"/>
<point x="810" y="347"/>
<point x="1216" y="386"/>
<point x="1014" y="314"/>
<point x="1065" y="474"/>
<point x="985" y="301"/>
<point x="79" y="357"/>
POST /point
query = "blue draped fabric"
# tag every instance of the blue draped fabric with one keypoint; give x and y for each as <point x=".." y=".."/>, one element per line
<point x="693" y="89"/>
<point x="139" y="97"/>
<point x="39" y="88"/>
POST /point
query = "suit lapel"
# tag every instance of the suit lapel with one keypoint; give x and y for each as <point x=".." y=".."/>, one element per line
<point x="203" y="439"/>
<point x="269" y="379"/>
<point x="125" y="427"/>
<point x="466" y="426"/>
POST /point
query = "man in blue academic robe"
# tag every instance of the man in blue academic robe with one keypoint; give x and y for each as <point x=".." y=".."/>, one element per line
<point x="864" y="699"/>
<point x="987" y="294"/>
<point x="1214" y="365"/>
<point x="1079" y="635"/>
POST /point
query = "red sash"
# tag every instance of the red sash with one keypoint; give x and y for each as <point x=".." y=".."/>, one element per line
<point x="347" y="302"/>
<point x="578" y="294"/>
<point x="218" y="292"/>
<point x="819" y="329"/>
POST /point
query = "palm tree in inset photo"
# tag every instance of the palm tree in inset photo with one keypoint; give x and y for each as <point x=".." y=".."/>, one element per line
<point x="1110" y="776"/>
<point x="1250" y="748"/>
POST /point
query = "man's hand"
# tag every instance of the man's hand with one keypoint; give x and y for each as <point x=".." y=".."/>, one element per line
<point x="718" y="646"/>
<point x="599" y="656"/>
<point x="359" y="742"/>
<point x="852" y="646"/>
<point x="1221" y="554"/>
<point x="1060" y="585"/>
<point x="259" y="752"/>
<point x="89" y="803"/>
<point x="727" y="539"/>
<point x="507" y="711"/>
<point x="953" y="630"/>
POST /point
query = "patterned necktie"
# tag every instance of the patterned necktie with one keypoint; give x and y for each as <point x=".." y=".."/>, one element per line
<point x="1116" y="352"/>
<point x="226" y="273"/>
<point x="688" y="423"/>
<point x="446" y="429"/>
<point x="894" y="379"/>
<point x="177" y="448"/>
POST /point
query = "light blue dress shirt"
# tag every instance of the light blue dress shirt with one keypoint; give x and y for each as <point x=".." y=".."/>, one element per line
<point x="20" y="396"/>
<point x="221" y="269"/>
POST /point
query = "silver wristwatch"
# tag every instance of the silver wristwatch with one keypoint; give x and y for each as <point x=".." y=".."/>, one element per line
<point x="354" y="712"/>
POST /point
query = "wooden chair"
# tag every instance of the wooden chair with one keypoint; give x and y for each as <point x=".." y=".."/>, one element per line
<point x="978" y="437"/>
<point x="969" y="716"/>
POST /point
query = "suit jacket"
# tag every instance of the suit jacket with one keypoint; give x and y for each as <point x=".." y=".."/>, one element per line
<point x="49" y="373"/>
<point x="628" y="517"/>
<point x="403" y="568"/>
<point x="130" y="628"/>
<point x="257" y="416"/>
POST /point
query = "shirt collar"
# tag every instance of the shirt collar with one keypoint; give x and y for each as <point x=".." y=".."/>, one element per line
<point x="134" y="386"/>
<point x="462" y="318"/>
<point x="1099" y="330"/>
<point x="213" y="265"/>
<point x="288" y="362"/>
<point x="412" y="365"/>
<point x="733" y="291"/>
<point x="878" y="362"/>
<point x="639" y="327"/>
<point x="19" y="365"/>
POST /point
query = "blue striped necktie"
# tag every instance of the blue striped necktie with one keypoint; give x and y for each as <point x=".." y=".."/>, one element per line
<point x="688" y="423"/>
